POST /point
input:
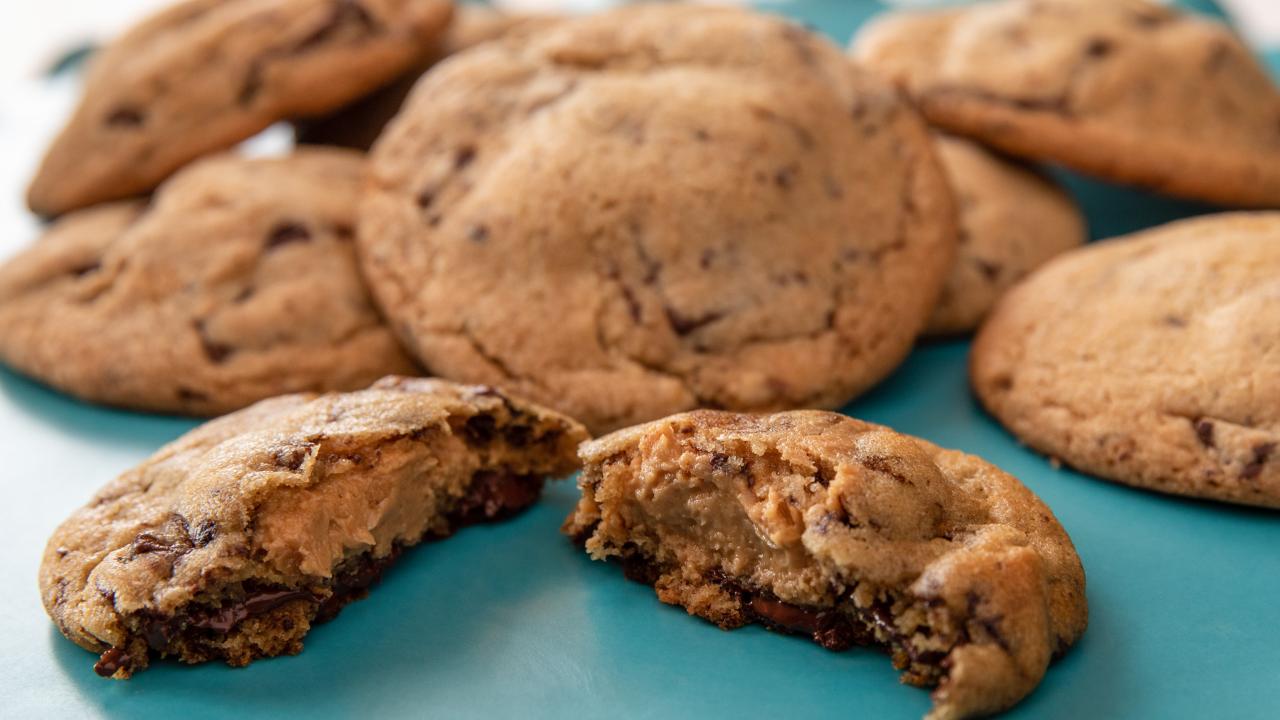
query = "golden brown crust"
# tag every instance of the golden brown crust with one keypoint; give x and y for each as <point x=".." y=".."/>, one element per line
<point x="558" y="215"/>
<point x="953" y="564"/>
<point x="1125" y="90"/>
<point x="238" y="282"/>
<point x="203" y="75"/>
<point x="1152" y="360"/>
<point x="279" y="498"/>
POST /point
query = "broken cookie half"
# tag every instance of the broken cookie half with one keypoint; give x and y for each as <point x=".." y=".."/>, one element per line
<point x="232" y="541"/>
<point x="821" y="525"/>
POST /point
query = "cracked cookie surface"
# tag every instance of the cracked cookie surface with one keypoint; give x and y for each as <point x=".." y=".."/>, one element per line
<point x="1151" y="360"/>
<point x="232" y="541"/>
<point x="359" y="124"/>
<point x="654" y="209"/>
<point x="236" y="283"/>
<point x="821" y="525"/>
<point x="203" y="75"/>
<point x="1125" y="90"/>
<point x="1013" y="219"/>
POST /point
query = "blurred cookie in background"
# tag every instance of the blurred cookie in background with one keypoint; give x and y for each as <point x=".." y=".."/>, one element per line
<point x="1013" y="218"/>
<point x="1125" y="90"/>
<point x="204" y="75"/>
<point x="236" y="283"/>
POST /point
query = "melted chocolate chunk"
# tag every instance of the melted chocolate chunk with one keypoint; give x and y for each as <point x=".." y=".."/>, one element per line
<point x="252" y="84"/>
<point x="111" y="661"/>
<point x="824" y="475"/>
<point x="287" y="232"/>
<point x="352" y="580"/>
<point x="990" y="270"/>
<point x="82" y="270"/>
<point x="881" y="465"/>
<point x="291" y="457"/>
<point x="147" y="543"/>
<point x="638" y="568"/>
<point x="1099" y="47"/>
<point x="480" y="429"/>
<point x="222" y="620"/>
<point x="684" y="325"/>
<point x="518" y="435"/>
<point x="125" y="117"/>
<point x="495" y="495"/>
<point x="160" y="632"/>
<point x="464" y="157"/>
<point x="205" y="533"/>
<point x="1204" y="433"/>
<point x="828" y="628"/>
<point x="1261" y="453"/>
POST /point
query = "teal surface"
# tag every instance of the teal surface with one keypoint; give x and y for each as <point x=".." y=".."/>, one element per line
<point x="512" y="621"/>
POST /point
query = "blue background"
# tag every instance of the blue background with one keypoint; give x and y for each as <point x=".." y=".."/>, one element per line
<point x="512" y="620"/>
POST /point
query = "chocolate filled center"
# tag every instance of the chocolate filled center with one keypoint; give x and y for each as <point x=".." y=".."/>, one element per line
<point x="491" y="495"/>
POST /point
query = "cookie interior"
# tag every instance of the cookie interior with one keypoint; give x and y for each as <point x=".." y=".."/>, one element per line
<point x="243" y="619"/>
<point x="233" y="541"/>
<point x="698" y="549"/>
<point x="880" y="552"/>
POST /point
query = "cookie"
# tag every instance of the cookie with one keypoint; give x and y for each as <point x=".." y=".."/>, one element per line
<point x="238" y="282"/>
<point x="1013" y="219"/>
<point x="205" y="74"/>
<point x="1151" y="360"/>
<point x="1125" y="90"/>
<point x="654" y="209"/>
<point x="231" y="542"/>
<point x="849" y="533"/>
<point x="359" y="124"/>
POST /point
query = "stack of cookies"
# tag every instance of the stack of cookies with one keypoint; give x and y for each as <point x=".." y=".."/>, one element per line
<point x="692" y="230"/>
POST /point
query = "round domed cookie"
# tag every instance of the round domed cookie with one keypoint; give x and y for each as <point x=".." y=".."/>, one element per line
<point x="1013" y="219"/>
<point x="817" y="524"/>
<point x="1126" y="90"/>
<point x="658" y="208"/>
<point x="238" y="282"/>
<point x="359" y="124"/>
<point x="1151" y="360"/>
<point x="203" y="75"/>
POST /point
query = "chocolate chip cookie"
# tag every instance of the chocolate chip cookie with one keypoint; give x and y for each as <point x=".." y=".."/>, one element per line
<point x="1151" y="360"/>
<point x="359" y="124"/>
<point x="205" y="74"/>
<point x="849" y="533"/>
<point x="231" y="542"/>
<point x="1013" y="219"/>
<point x="236" y="283"/>
<point x="654" y="209"/>
<point x="1125" y="90"/>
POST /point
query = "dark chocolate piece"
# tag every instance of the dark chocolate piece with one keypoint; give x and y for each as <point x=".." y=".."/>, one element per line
<point x="111" y="661"/>
<point x="495" y="495"/>
<point x="223" y="619"/>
